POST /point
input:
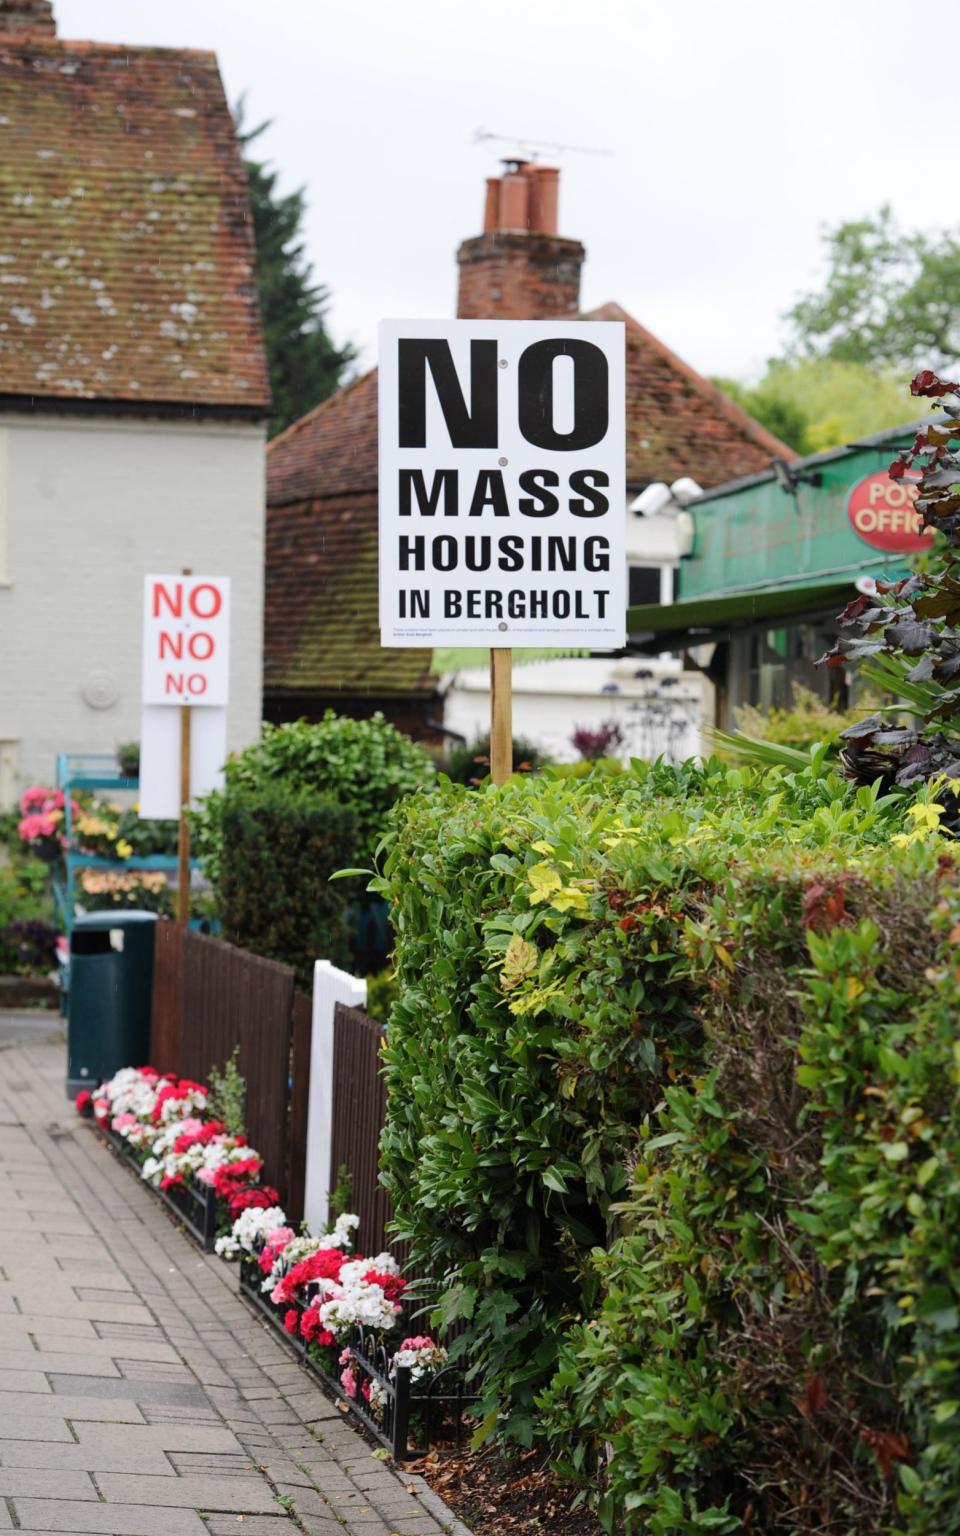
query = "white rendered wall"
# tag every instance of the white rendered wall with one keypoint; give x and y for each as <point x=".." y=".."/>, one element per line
<point x="87" y="508"/>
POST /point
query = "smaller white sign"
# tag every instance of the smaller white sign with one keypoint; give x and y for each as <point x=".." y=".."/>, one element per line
<point x="159" y="798"/>
<point x="186" y="640"/>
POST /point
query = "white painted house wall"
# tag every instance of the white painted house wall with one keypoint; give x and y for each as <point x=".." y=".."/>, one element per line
<point x="88" y="506"/>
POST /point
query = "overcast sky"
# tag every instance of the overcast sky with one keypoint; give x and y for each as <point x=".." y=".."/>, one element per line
<point x="738" y="129"/>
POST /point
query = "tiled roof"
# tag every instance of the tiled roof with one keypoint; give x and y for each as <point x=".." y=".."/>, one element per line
<point x="331" y="451"/>
<point x="680" y="424"/>
<point x="126" y="248"/>
<point x="322" y="631"/>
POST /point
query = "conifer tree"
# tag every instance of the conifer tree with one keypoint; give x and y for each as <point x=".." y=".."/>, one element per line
<point x="304" y="364"/>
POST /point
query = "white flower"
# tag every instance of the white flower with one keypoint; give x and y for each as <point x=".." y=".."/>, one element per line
<point x="254" y="1224"/>
<point x="343" y="1230"/>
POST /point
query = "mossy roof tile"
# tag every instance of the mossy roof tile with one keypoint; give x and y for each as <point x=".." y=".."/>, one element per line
<point x="126" y="248"/>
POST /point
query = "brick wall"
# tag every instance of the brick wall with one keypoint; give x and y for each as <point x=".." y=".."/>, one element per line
<point x="513" y="275"/>
<point x="28" y="18"/>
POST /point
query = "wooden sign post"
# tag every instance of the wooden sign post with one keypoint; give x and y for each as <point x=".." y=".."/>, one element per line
<point x="501" y="715"/>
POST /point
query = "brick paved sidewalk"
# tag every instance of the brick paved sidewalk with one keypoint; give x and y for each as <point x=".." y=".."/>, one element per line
<point x="138" y="1396"/>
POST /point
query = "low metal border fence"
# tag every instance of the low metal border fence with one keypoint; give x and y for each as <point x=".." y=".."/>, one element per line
<point x="429" y="1410"/>
<point x="195" y="1205"/>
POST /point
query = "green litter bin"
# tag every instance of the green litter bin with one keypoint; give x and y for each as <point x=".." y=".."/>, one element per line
<point x="111" y="990"/>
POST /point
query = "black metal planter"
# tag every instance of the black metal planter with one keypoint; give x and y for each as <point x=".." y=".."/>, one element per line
<point x="407" y="1414"/>
<point x="195" y="1205"/>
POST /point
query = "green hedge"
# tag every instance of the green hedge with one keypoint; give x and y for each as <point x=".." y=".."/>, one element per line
<point x="365" y="765"/>
<point x="280" y="847"/>
<point x="599" y="1136"/>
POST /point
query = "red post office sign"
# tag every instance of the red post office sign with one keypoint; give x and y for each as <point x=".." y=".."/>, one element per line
<point x="882" y="513"/>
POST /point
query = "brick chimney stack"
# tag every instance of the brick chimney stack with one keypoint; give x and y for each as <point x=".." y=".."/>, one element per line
<point x="31" y="19"/>
<point x="520" y="268"/>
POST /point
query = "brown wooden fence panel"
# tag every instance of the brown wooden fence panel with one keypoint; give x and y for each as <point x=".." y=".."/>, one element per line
<point x="232" y="997"/>
<point x="299" y="1104"/>
<point x="359" y="1112"/>
<point x="166" y="1018"/>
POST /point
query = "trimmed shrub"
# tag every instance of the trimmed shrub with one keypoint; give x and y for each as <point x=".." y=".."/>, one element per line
<point x="364" y="765"/>
<point x="280" y="846"/>
<point x="762" y="1355"/>
<point x="652" y="1029"/>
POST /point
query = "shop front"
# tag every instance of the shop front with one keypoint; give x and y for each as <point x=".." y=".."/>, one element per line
<point x="775" y="558"/>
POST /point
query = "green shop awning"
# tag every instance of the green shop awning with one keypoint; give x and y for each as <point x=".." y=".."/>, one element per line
<point x="659" y="626"/>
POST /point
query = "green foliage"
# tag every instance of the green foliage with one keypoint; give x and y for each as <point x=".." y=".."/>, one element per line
<point x="470" y="762"/>
<point x="227" y="1094"/>
<point x="274" y="895"/>
<point x="128" y="759"/>
<point x="813" y="404"/>
<point x="27" y="934"/>
<point x="365" y="765"/>
<point x="341" y="1196"/>
<point x="779" y="1335"/>
<point x="547" y="1001"/>
<point x="889" y="297"/>
<point x="381" y="994"/>
<point x="147" y="837"/>
<point x="25" y="890"/>
<point x="304" y="365"/>
<point x="807" y="721"/>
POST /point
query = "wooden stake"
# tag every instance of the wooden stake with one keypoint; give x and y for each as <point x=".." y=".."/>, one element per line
<point x="183" y="836"/>
<point x="501" y="715"/>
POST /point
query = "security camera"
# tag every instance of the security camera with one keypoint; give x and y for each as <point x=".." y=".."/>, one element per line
<point x="655" y="498"/>
<point x="685" y="489"/>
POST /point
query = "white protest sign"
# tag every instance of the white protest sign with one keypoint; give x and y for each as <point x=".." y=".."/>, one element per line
<point x="186" y="662"/>
<point x="186" y="640"/>
<point x="502" y="483"/>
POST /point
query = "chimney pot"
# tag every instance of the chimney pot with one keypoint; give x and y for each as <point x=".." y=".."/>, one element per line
<point x="514" y="201"/>
<point x="491" y="210"/>
<point x="28" y="19"/>
<point x="544" y="199"/>
<point x="520" y="268"/>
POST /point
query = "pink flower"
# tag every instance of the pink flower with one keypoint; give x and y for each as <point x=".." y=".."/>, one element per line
<point x="348" y="1380"/>
<point x="34" y="797"/>
<point x="36" y="826"/>
<point x="346" y="1356"/>
<point x="279" y="1238"/>
<point x="120" y="1122"/>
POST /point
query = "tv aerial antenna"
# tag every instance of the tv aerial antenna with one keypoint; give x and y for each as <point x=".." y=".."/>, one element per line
<point x="530" y="148"/>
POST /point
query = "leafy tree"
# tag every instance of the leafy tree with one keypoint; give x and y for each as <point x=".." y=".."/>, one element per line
<point x="890" y="297"/>
<point x="813" y="403"/>
<point x="304" y="365"/>
<point x="784" y="418"/>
